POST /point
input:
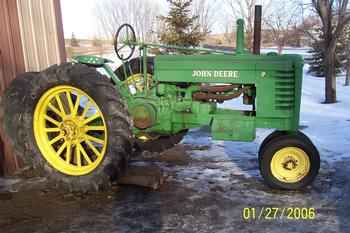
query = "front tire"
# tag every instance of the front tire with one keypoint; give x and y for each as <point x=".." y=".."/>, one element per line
<point x="134" y="67"/>
<point x="289" y="162"/>
<point x="75" y="128"/>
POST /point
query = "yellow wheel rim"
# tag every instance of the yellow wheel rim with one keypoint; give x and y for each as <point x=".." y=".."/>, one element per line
<point x="135" y="82"/>
<point x="290" y="165"/>
<point x="70" y="130"/>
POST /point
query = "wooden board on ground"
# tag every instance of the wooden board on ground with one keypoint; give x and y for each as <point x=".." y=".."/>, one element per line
<point x="143" y="174"/>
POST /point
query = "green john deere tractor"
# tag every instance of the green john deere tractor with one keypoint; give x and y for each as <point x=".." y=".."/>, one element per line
<point x="79" y="127"/>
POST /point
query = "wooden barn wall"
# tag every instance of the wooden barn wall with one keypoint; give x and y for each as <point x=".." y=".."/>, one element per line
<point x="11" y="63"/>
<point x="31" y="39"/>
<point x="41" y="33"/>
<point x="10" y="40"/>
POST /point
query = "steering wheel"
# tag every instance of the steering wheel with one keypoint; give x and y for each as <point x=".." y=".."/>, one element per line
<point x="125" y="38"/>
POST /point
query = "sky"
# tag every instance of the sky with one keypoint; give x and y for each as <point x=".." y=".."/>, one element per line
<point x="79" y="17"/>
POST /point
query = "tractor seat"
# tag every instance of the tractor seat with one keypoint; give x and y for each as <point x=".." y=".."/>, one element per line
<point x="91" y="61"/>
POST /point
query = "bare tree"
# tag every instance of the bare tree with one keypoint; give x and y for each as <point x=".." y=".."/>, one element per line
<point x="346" y="42"/>
<point x="334" y="15"/>
<point x="246" y="9"/>
<point x="226" y="24"/>
<point x="282" y="22"/>
<point x="229" y="33"/>
<point x="347" y="66"/>
<point x="207" y="13"/>
<point x="141" y="14"/>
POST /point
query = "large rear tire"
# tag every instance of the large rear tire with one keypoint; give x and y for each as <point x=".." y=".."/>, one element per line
<point x="12" y="102"/>
<point x="74" y="127"/>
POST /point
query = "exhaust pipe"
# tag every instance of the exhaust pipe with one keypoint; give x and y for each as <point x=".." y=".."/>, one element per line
<point x="240" y="36"/>
<point x="257" y="29"/>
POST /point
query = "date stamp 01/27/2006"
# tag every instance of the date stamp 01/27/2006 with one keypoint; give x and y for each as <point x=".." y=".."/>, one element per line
<point x="278" y="213"/>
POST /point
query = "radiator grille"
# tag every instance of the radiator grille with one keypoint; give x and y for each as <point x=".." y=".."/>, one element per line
<point x="284" y="90"/>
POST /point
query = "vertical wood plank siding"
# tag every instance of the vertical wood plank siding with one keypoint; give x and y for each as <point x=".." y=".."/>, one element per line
<point x="11" y="63"/>
<point x="60" y="32"/>
<point x="31" y="39"/>
<point x="41" y="27"/>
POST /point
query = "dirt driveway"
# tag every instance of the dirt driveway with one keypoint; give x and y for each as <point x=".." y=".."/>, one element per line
<point x="203" y="193"/>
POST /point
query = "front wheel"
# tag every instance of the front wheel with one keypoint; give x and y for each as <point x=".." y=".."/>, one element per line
<point x="289" y="162"/>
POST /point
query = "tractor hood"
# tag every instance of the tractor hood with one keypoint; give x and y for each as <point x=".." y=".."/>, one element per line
<point x="218" y="68"/>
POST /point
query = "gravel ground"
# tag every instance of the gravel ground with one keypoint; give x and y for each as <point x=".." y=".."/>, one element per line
<point x="203" y="193"/>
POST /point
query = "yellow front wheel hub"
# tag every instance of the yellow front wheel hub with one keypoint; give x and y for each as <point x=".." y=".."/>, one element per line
<point x="290" y="165"/>
<point x="70" y="130"/>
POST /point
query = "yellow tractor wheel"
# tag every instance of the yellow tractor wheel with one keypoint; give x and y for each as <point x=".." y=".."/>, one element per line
<point x="289" y="161"/>
<point x="70" y="130"/>
<point x="74" y="129"/>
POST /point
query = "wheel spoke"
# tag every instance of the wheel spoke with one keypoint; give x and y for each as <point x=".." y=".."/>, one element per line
<point x="127" y="34"/>
<point x="76" y="106"/>
<point x="70" y="130"/>
<point x="53" y="121"/>
<point x="123" y="46"/>
<point x="55" y="110"/>
<point x="93" y="148"/>
<point x="60" y="105"/>
<point x="78" y="155"/>
<point x="85" y="155"/>
<point x="87" y="106"/>
<point x="56" y="139"/>
<point x="52" y="130"/>
<point x="68" y="153"/>
<point x="60" y="150"/>
<point x="94" y="139"/>
<point x="93" y="117"/>
<point x="95" y="128"/>
<point x="70" y="102"/>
